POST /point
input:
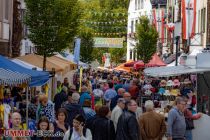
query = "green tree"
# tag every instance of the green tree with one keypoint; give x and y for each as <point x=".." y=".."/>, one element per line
<point x="53" y="24"/>
<point x="147" y="37"/>
<point x="87" y="43"/>
<point x="117" y="54"/>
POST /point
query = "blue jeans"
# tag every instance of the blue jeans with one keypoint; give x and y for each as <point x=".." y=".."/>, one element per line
<point x="188" y="134"/>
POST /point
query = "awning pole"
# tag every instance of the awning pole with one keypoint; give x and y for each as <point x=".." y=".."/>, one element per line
<point x="27" y="101"/>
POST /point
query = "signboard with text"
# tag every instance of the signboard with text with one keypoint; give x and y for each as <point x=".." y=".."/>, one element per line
<point x="108" y="42"/>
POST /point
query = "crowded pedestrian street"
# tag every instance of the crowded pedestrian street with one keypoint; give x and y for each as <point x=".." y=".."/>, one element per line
<point x="104" y="70"/>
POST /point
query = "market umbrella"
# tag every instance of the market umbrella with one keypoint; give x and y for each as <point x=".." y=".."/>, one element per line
<point x="156" y="61"/>
<point x="131" y="64"/>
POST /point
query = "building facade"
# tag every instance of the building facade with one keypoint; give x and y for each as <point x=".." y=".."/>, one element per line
<point x="27" y="47"/>
<point x="6" y="26"/>
<point x="136" y="9"/>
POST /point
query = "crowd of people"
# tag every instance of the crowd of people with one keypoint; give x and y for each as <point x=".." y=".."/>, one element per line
<point x="107" y="108"/>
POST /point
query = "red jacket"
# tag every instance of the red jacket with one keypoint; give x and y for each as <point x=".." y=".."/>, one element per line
<point x="188" y="114"/>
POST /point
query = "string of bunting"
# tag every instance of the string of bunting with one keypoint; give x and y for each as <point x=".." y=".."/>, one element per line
<point x="105" y="23"/>
<point x="107" y="14"/>
<point x="108" y="34"/>
<point x="110" y="27"/>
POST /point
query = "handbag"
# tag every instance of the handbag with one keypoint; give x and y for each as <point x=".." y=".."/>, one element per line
<point x="189" y="124"/>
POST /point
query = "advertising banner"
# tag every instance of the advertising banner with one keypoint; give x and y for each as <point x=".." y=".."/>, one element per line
<point x="108" y="42"/>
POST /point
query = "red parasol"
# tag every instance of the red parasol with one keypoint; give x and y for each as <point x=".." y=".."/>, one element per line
<point x="156" y="61"/>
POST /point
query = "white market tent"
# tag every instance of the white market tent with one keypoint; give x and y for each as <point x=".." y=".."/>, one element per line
<point x="26" y="65"/>
<point x="172" y="71"/>
<point x="70" y="57"/>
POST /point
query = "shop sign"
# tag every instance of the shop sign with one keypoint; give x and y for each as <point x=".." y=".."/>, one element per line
<point x="108" y="42"/>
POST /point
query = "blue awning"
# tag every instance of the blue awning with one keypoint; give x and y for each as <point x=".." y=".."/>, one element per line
<point x="8" y="77"/>
<point x="38" y="78"/>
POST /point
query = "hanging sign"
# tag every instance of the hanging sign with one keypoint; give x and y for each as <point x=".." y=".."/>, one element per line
<point x="108" y="42"/>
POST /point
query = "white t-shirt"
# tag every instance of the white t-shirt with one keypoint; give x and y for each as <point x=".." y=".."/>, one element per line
<point x="75" y="135"/>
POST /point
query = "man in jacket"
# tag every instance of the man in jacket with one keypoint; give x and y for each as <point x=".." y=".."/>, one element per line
<point x="152" y="125"/>
<point x="74" y="108"/>
<point x="127" y="127"/>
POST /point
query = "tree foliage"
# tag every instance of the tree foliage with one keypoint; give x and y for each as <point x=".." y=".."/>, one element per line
<point x="87" y="43"/>
<point x="107" y="18"/>
<point x="53" y="24"/>
<point x="147" y="37"/>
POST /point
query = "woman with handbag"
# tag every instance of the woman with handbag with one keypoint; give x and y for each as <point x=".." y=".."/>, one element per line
<point x="189" y="117"/>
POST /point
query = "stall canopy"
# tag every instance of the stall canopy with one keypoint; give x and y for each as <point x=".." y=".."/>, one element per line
<point x="11" y="78"/>
<point x="70" y="57"/>
<point x="38" y="78"/>
<point x="37" y="60"/>
<point x="122" y="67"/>
<point x="156" y="61"/>
<point x="59" y="64"/>
<point x="26" y="65"/>
<point x="131" y="64"/>
<point x="171" y="71"/>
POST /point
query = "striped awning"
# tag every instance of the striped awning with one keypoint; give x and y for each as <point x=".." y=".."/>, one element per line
<point x="12" y="78"/>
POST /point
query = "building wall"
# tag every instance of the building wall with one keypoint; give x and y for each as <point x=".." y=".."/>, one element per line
<point x="136" y="9"/>
<point x="199" y="41"/>
<point x="6" y="20"/>
<point x="27" y="47"/>
<point x="208" y="22"/>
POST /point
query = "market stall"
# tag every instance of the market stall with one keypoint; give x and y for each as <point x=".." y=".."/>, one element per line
<point x="12" y="74"/>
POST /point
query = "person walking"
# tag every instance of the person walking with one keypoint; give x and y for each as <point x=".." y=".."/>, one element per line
<point x="102" y="127"/>
<point x="84" y="95"/>
<point x="117" y="111"/>
<point x="152" y="125"/>
<point x="110" y="93"/>
<point x="16" y="122"/>
<point x="45" y="108"/>
<point x="74" y="108"/>
<point x="78" y="131"/>
<point x="60" y="125"/>
<point x="127" y="126"/>
<point x="133" y="89"/>
<point x="113" y="103"/>
<point x="60" y="98"/>
<point x="189" y="117"/>
<point x="176" y="125"/>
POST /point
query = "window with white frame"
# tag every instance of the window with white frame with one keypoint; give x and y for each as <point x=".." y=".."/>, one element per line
<point x="139" y="4"/>
<point x="136" y="4"/>
<point x="1" y="9"/>
<point x="6" y="9"/>
<point x="132" y="26"/>
<point x="142" y="4"/>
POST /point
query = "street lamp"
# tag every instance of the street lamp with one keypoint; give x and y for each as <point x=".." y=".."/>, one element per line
<point x="177" y="44"/>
